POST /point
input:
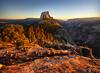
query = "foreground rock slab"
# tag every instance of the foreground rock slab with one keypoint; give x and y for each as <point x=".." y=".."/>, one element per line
<point x="45" y="60"/>
<point x="55" y="64"/>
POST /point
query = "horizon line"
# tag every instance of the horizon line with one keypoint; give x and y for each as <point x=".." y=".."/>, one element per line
<point x="54" y="18"/>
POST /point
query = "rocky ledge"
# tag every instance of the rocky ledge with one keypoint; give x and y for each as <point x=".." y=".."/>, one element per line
<point x="44" y="60"/>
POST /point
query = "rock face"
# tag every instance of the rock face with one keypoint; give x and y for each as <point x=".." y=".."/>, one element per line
<point x="45" y="16"/>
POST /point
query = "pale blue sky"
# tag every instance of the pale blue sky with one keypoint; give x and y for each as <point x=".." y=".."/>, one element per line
<point x="61" y="9"/>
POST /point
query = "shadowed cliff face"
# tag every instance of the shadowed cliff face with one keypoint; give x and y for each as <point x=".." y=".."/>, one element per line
<point x="85" y="32"/>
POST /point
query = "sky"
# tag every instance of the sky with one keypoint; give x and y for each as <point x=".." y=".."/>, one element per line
<point x="59" y="9"/>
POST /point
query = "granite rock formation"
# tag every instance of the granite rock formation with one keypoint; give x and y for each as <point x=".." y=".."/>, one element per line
<point x="45" y="15"/>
